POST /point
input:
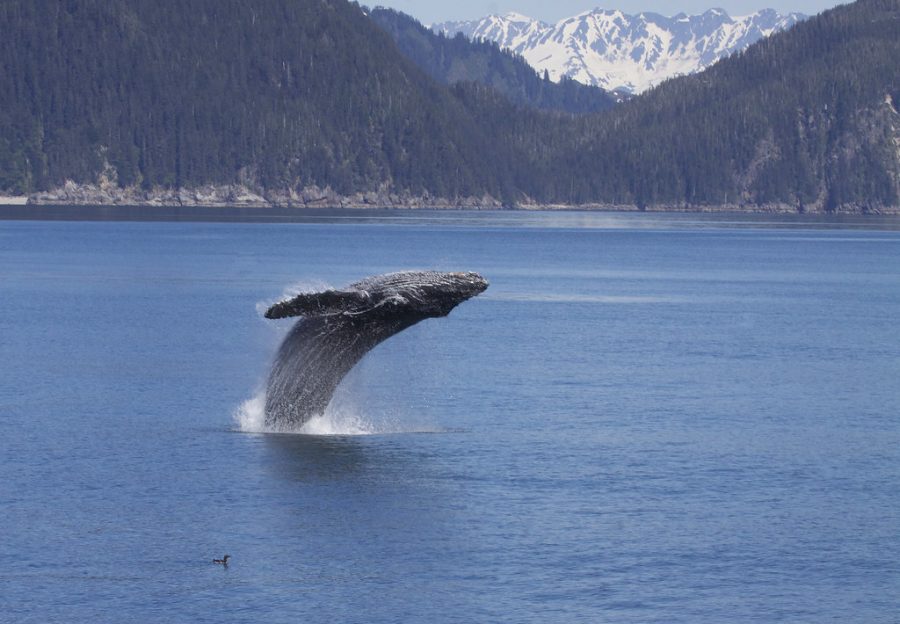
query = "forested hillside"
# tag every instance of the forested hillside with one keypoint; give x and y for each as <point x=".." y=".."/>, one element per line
<point x="451" y="60"/>
<point x="807" y="118"/>
<point x="274" y="93"/>
<point x="283" y="95"/>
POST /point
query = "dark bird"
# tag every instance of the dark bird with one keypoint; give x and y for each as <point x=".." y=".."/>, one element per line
<point x="223" y="561"/>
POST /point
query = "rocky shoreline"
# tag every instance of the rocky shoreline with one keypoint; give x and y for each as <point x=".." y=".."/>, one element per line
<point x="240" y="196"/>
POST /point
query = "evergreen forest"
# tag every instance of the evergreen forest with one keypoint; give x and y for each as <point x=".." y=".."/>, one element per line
<point x="288" y="94"/>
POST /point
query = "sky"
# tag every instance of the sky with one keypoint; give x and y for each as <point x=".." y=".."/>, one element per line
<point x="430" y="11"/>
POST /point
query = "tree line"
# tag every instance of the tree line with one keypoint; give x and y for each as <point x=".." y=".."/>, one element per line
<point x="280" y="94"/>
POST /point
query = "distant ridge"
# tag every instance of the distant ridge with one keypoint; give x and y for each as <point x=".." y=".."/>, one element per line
<point x="617" y="51"/>
<point x="451" y="60"/>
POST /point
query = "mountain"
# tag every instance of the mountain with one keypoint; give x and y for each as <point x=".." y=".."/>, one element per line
<point x="311" y="103"/>
<point x="805" y="119"/>
<point x="278" y="96"/>
<point x="617" y="51"/>
<point x="452" y="60"/>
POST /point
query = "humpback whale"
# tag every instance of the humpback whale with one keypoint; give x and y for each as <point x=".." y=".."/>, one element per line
<point x="338" y="327"/>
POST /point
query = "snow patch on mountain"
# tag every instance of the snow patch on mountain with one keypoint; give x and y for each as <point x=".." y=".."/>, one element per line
<point x="616" y="51"/>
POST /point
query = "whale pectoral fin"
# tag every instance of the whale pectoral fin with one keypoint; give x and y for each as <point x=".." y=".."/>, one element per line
<point x="319" y="304"/>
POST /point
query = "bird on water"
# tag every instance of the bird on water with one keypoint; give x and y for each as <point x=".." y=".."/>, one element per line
<point x="223" y="561"/>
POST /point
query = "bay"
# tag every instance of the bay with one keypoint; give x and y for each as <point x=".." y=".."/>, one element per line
<point x="646" y="418"/>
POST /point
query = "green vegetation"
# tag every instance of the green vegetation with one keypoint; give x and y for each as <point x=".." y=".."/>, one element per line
<point x="800" y="118"/>
<point x="275" y="93"/>
<point x="281" y="94"/>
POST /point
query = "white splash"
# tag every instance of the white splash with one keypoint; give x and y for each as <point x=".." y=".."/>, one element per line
<point x="339" y="423"/>
<point x="250" y="417"/>
<point x="340" y="419"/>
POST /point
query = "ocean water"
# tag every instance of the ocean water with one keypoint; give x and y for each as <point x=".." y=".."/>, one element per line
<point x="646" y="418"/>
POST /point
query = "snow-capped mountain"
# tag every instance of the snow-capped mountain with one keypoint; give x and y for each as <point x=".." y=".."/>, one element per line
<point x="616" y="51"/>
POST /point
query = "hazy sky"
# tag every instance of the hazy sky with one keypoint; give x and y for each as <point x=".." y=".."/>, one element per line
<point x="428" y="11"/>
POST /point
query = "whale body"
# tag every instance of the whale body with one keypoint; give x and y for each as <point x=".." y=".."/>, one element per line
<point x="338" y="327"/>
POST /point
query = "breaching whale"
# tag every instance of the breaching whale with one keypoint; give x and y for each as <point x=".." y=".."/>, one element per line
<point x="338" y="327"/>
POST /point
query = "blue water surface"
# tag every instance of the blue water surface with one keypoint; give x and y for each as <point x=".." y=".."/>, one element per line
<point x="646" y="418"/>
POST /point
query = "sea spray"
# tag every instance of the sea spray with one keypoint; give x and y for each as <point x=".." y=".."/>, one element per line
<point x="340" y="419"/>
<point x="291" y="291"/>
<point x="343" y="417"/>
<point x="250" y="417"/>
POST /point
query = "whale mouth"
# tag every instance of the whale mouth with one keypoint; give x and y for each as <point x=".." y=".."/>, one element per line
<point x="472" y="283"/>
<point x="338" y="327"/>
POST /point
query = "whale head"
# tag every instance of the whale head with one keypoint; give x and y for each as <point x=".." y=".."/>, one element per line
<point x="428" y="294"/>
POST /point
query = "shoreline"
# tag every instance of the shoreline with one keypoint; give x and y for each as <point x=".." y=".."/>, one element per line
<point x="749" y="209"/>
<point x="241" y="197"/>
